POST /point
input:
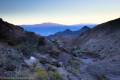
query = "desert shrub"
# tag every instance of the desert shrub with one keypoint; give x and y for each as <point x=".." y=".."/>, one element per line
<point x="102" y="77"/>
<point x="30" y="43"/>
<point x="54" y="75"/>
<point x="57" y="43"/>
<point x="41" y="41"/>
<point x="27" y="48"/>
<point x="76" y="51"/>
<point x="54" y="52"/>
<point x="13" y="42"/>
<point x="73" y="66"/>
<point x="92" y="54"/>
<point x="10" y="67"/>
<point x="41" y="74"/>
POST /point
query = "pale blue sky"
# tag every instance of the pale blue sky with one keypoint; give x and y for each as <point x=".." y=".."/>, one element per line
<point x="59" y="11"/>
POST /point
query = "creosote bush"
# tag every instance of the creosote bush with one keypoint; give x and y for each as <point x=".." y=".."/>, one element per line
<point x="54" y="75"/>
<point x="102" y="77"/>
<point x="41" y="74"/>
<point x="73" y="66"/>
<point x="76" y="51"/>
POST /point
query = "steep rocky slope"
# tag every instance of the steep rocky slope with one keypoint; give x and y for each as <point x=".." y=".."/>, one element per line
<point x="16" y="46"/>
<point x="103" y="40"/>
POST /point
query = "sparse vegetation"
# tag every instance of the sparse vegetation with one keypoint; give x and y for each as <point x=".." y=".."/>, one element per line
<point x="73" y="66"/>
<point x="41" y="74"/>
<point x="102" y="77"/>
<point x="76" y="51"/>
<point x="54" y="75"/>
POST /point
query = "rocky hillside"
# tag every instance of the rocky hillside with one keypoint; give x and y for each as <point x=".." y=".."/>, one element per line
<point x="103" y="40"/>
<point x="16" y="47"/>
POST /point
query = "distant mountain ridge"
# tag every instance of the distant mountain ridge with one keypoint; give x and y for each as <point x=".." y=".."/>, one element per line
<point x="70" y="32"/>
<point x="46" y="29"/>
<point x="68" y="36"/>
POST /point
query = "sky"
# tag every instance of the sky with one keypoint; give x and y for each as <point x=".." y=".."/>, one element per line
<point x="59" y="11"/>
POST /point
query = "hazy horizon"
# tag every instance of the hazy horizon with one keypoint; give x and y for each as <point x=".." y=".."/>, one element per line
<point x="66" y="12"/>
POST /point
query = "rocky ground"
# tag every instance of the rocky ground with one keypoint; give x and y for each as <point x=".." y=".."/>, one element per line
<point x="27" y="56"/>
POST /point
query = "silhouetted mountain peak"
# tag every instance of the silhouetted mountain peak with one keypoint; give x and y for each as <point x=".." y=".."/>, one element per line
<point x="85" y="28"/>
<point x="116" y="21"/>
<point x="67" y="30"/>
<point x="1" y="19"/>
<point x="111" y="25"/>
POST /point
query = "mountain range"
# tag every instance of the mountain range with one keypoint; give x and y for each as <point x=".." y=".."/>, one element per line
<point x="47" y="29"/>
